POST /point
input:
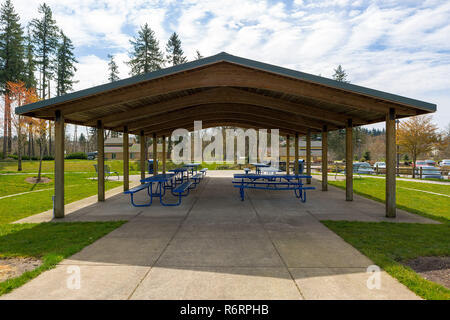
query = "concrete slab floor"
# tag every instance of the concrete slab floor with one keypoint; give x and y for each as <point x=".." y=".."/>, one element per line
<point x="214" y="246"/>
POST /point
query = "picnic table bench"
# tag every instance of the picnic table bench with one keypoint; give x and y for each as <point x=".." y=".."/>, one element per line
<point x="203" y="171"/>
<point x="197" y="178"/>
<point x="192" y="167"/>
<point x="272" y="182"/>
<point x="164" y="182"/>
<point x="180" y="174"/>
<point x="134" y="190"/>
<point x="108" y="172"/>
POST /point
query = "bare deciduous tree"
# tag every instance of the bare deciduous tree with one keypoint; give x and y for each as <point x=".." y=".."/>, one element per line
<point x="417" y="136"/>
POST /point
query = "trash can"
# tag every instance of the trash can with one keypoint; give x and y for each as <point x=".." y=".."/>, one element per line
<point x="150" y="166"/>
<point x="301" y="166"/>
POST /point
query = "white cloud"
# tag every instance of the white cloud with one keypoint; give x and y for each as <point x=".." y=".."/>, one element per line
<point x="397" y="46"/>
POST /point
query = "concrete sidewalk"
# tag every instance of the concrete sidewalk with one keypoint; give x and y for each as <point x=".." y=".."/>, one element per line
<point x="214" y="246"/>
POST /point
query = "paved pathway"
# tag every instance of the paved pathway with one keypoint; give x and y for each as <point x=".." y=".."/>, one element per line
<point x="215" y="246"/>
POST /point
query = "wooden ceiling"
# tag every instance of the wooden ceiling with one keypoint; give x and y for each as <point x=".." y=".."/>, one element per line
<point x="224" y="90"/>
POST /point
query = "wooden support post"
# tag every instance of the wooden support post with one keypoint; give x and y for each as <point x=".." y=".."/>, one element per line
<point x="296" y="170"/>
<point x="59" y="166"/>
<point x="164" y="154"/>
<point x="126" y="159"/>
<point x="349" y="161"/>
<point x="155" y="155"/>
<point x="100" y="161"/>
<point x="288" y="146"/>
<point x="390" y="164"/>
<point x="324" y="158"/>
<point x="143" y="151"/>
<point x="308" y="155"/>
<point x="257" y="147"/>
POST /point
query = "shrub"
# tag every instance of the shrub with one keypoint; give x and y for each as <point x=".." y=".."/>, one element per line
<point x="48" y="158"/>
<point x="77" y="155"/>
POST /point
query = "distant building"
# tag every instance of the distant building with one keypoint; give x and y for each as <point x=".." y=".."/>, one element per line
<point x="114" y="149"/>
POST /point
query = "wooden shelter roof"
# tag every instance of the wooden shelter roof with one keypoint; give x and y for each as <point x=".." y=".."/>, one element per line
<point x="224" y="90"/>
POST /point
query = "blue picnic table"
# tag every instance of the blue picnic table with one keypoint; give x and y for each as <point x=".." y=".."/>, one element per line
<point x="192" y="167"/>
<point x="269" y="170"/>
<point x="272" y="182"/>
<point x="162" y="181"/>
<point x="258" y="166"/>
<point x="180" y="174"/>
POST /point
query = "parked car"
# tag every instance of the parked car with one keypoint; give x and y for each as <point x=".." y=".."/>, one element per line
<point x="445" y="163"/>
<point x="430" y="163"/>
<point x="362" y="168"/>
<point x="421" y="163"/>
<point x="430" y="172"/>
<point x="380" y="165"/>
<point x="92" y="155"/>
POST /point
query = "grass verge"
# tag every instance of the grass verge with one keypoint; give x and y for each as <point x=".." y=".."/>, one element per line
<point x="425" y="204"/>
<point x="50" y="242"/>
<point x="77" y="186"/>
<point x="389" y="244"/>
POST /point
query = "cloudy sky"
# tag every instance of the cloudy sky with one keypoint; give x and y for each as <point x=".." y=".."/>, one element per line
<point x="402" y="46"/>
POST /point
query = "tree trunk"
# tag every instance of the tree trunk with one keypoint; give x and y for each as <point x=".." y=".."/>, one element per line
<point x="5" y="131"/>
<point x="75" y="140"/>
<point x="49" y="137"/>
<point x="8" y="114"/>
<point x="19" y="147"/>
<point x="414" y="166"/>
<point x="29" y="141"/>
<point x="41" y="154"/>
<point x="33" y="150"/>
<point x="169" y="148"/>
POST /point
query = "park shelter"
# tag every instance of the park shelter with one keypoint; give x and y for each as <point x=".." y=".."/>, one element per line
<point x="226" y="90"/>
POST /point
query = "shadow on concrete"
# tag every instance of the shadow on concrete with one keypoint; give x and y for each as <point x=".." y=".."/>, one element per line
<point x="271" y="241"/>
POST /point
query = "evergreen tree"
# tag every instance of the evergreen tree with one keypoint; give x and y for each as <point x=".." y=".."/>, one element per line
<point x="11" y="45"/>
<point x="30" y="65"/>
<point x="65" y="66"/>
<point x="113" y="69"/>
<point x="146" y="55"/>
<point x="45" y="41"/>
<point x="340" y="75"/>
<point x="174" y="52"/>
<point x="198" y="55"/>
<point x="11" y="62"/>
<point x="336" y="139"/>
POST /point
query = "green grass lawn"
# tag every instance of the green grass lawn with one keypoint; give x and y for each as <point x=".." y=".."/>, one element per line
<point x="13" y="184"/>
<point x="425" y="204"/>
<point x="69" y="166"/>
<point x="88" y="166"/>
<point x="77" y="186"/>
<point x="50" y="242"/>
<point x="389" y="244"/>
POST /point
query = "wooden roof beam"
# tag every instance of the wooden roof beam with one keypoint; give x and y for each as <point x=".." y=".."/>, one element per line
<point x="247" y="111"/>
<point x="218" y="118"/>
<point x="212" y="124"/>
<point x="227" y="74"/>
<point x="226" y="95"/>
